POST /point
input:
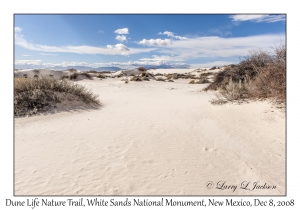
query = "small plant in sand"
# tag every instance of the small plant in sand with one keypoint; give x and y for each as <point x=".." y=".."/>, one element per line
<point x="202" y="80"/>
<point x="141" y="69"/>
<point x="36" y="71"/>
<point x="145" y="79"/>
<point x="93" y="72"/>
<point x="233" y="91"/>
<point x="32" y="96"/>
<point x="136" y="78"/>
<point x="160" y="79"/>
<point x="192" y="82"/>
<point x="102" y="76"/>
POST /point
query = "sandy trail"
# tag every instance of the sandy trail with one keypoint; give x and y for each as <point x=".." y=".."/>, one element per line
<point x="151" y="138"/>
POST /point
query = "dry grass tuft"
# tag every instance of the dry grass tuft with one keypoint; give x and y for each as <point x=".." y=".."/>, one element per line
<point x="141" y="69"/>
<point x="160" y="79"/>
<point x="32" y="96"/>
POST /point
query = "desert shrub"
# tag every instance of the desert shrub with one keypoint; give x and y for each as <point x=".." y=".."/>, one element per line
<point x="141" y="69"/>
<point x="158" y="74"/>
<point x="264" y="73"/>
<point x="145" y="78"/>
<point x="25" y="76"/>
<point x="170" y="80"/>
<point x="207" y="74"/>
<point x="36" y="76"/>
<point x="74" y="76"/>
<point x="102" y="76"/>
<point x="213" y="68"/>
<point x="175" y="76"/>
<point x="93" y="71"/>
<point x="32" y="96"/>
<point x="86" y="74"/>
<point x="202" y="80"/>
<point x="233" y="91"/>
<point x="136" y="78"/>
<point x="160" y="79"/>
<point x="64" y="77"/>
<point x="72" y="70"/>
<point x="35" y="71"/>
<point x="192" y="82"/>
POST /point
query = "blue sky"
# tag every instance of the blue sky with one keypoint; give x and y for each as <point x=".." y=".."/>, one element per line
<point x="129" y="41"/>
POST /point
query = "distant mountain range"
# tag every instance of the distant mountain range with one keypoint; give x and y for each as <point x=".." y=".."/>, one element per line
<point x="107" y="68"/>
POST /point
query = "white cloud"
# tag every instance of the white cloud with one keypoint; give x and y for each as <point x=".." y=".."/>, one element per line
<point x="100" y="31"/>
<point x="258" y="18"/>
<point x="18" y="29"/>
<point x="26" y="55"/>
<point x="118" y="49"/>
<point x="160" y="58"/>
<point x="121" y="38"/>
<point x="27" y="62"/>
<point x="171" y="34"/>
<point x="156" y="42"/>
<point x="122" y="31"/>
<point x="47" y="54"/>
<point x="214" y="46"/>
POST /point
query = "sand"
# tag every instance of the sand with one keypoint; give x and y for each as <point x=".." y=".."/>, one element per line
<point x="152" y="138"/>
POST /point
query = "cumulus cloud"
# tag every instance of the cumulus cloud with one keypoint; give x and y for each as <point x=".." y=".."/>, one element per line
<point x="121" y="38"/>
<point x="171" y="34"/>
<point x="122" y="31"/>
<point x="156" y="42"/>
<point x="18" y="29"/>
<point x="258" y="18"/>
<point x="118" y="49"/>
<point x="25" y="55"/>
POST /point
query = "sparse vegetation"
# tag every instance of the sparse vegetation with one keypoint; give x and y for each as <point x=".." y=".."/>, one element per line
<point x="160" y="79"/>
<point x="93" y="72"/>
<point x="75" y="75"/>
<point x="102" y="76"/>
<point x="260" y="75"/>
<point x="141" y="69"/>
<point x="35" y="71"/>
<point x="136" y="78"/>
<point x="32" y="95"/>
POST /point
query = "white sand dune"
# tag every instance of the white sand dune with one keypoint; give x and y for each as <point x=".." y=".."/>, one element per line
<point x="40" y="72"/>
<point x="151" y="138"/>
